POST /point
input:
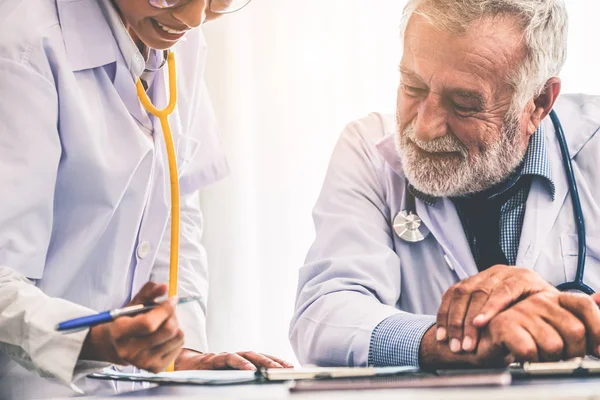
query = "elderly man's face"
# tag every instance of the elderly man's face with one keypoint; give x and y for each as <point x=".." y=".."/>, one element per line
<point x="455" y="136"/>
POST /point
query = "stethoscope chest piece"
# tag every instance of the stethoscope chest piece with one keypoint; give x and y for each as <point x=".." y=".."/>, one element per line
<point x="409" y="227"/>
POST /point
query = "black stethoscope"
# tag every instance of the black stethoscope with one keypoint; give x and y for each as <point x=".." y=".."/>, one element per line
<point x="409" y="226"/>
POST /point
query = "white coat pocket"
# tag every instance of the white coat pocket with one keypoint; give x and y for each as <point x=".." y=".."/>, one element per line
<point x="569" y="249"/>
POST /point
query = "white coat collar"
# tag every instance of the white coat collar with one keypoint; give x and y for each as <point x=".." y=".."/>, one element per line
<point x="89" y="41"/>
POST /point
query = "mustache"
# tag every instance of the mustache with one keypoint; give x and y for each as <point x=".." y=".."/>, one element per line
<point x="448" y="143"/>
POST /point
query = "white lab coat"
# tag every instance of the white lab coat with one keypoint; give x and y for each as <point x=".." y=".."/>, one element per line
<point x="85" y="204"/>
<point x="358" y="272"/>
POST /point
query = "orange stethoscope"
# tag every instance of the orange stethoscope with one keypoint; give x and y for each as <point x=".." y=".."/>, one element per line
<point x="163" y="116"/>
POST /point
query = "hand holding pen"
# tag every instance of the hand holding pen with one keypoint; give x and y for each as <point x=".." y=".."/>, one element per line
<point x="150" y="340"/>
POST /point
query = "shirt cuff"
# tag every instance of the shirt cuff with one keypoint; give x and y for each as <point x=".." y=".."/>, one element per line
<point x="397" y="339"/>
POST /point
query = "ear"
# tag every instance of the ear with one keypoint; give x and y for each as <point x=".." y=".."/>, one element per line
<point x="543" y="104"/>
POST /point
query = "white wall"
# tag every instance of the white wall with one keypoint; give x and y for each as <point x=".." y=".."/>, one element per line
<point x="286" y="76"/>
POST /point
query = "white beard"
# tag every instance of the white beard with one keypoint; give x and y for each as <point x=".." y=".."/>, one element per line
<point x="460" y="173"/>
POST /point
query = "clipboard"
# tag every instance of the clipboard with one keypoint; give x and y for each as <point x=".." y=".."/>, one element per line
<point x="215" y="378"/>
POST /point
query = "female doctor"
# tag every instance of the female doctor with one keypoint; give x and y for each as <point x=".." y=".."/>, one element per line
<point x="85" y="205"/>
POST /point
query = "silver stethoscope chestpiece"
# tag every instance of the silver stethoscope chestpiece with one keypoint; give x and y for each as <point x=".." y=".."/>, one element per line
<point x="409" y="227"/>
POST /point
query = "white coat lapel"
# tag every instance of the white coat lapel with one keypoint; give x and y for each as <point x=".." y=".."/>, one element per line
<point x="441" y="219"/>
<point x="125" y="86"/>
<point x="444" y="223"/>
<point x="541" y="212"/>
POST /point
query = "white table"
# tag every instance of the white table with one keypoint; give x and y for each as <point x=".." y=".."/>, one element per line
<point x="572" y="388"/>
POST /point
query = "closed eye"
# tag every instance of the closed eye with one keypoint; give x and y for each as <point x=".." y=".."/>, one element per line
<point x="413" y="91"/>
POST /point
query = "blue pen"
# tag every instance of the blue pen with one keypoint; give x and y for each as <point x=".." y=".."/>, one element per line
<point x="88" y="321"/>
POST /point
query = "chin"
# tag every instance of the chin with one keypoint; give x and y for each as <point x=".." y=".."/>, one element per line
<point x="159" y="44"/>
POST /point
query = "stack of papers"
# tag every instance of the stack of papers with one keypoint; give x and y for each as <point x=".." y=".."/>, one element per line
<point x="183" y="377"/>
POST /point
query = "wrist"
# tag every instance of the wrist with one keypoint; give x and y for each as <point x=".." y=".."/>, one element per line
<point x="97" y="347"/>
<point x="186" y="358"/>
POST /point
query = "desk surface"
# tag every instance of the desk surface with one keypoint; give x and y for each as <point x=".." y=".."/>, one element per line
<point x="560" y="388"/>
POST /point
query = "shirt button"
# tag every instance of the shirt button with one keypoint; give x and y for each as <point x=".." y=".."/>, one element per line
<point x="143" y="249"/>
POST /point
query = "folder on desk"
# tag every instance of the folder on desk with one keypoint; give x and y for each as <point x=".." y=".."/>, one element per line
<point x="575" y="366"/>
<point x="240" y="377"/>
<point x="416" y="380"/>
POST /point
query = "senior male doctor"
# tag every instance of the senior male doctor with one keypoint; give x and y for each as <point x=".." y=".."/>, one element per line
<point x="473" y="152"/>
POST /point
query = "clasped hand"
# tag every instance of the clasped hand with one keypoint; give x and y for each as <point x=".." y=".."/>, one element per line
<point x="509" y="314"/>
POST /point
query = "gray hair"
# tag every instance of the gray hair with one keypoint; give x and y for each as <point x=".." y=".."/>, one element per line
<point x="544" y="28"/>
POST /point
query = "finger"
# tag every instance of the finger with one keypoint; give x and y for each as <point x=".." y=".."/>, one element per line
<point x="471" y="332"/>
<point x="259" y="360"/>
<point x="519" y="343"/>
<point x="584" y="308"/>
<point x="236" y="361"/>
<point x="500" y="298"/>
<point x="159" y="357"/>
<point x="549" y="342"/>
<point x="456" y="316"/>
<point x="442" y="315"/>
<point x="148" y="293"/>
<point x="284" y="363"/>
<point x="596" y="298"/>
<point x="168" y="331"/>
<point x="168" y="347"/>
<point x="144" y="324"/>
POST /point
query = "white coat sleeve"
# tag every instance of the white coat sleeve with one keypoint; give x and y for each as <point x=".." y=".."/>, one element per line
<point x="193" y="272"/>
<point x="350" y="282"/>
<point x="27" y="330"/>
<point x="29" y="156"/>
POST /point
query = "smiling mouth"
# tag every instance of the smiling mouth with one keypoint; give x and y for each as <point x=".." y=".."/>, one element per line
<point x="168" y="30"/>
<point x="435" y="154"/>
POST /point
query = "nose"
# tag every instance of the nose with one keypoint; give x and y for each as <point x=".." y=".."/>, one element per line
<point x="193" y="13"/>
<point x="431" y="121"/>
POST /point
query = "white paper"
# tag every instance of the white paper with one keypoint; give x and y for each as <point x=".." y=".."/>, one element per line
<point x="193" y="377"/>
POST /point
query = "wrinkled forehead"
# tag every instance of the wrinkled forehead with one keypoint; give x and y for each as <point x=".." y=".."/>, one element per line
<point x="487" y="50"/>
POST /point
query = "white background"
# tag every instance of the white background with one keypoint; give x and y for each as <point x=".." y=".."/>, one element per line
<point x="285" y="77"/>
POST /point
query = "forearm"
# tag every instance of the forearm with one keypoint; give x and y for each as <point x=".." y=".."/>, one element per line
<point x="336" y="329"/>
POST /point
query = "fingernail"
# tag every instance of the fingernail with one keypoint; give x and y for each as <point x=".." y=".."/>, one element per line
<point x="440" y="334"/>
<point x="173" y="300"/>
<point x="467" y="343"/>
<point x="455" y="345"/>
<point x="479" y="319"/>
<point x="252" y="366"/>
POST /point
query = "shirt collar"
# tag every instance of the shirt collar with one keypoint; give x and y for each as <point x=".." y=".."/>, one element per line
<point x="535" y="163"/>
<point x="131" y="54"/>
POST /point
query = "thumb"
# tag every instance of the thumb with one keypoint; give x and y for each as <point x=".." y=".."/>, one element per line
<point x="148" y="293"/>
